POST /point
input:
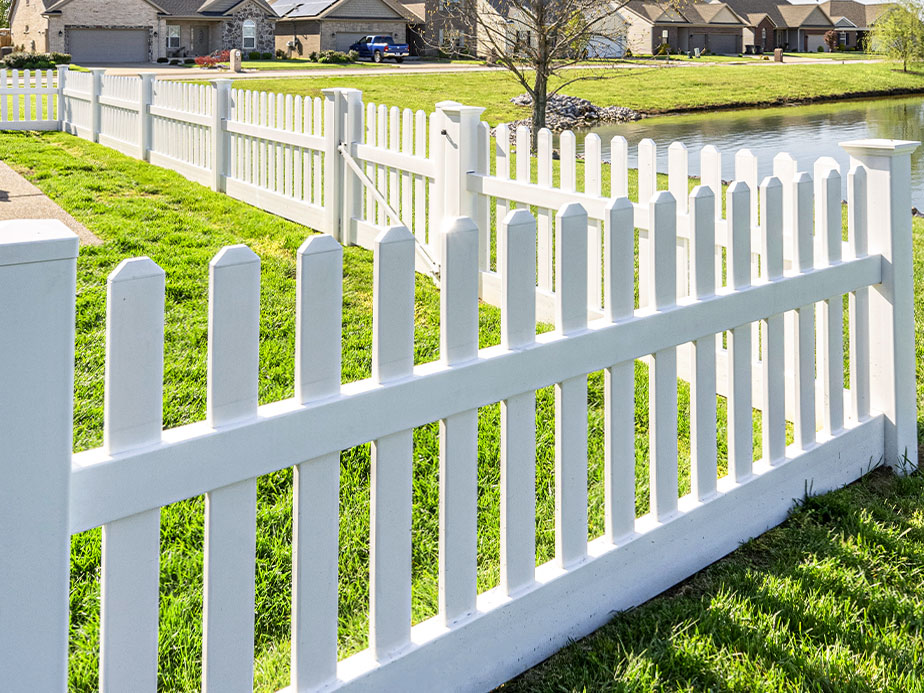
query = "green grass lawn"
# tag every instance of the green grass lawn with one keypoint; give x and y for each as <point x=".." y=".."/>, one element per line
<point x="138" y="209"/>
<point x="651" y="90"/>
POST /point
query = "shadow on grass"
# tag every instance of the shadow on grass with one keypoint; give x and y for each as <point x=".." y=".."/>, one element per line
<point x="831" y="600"/>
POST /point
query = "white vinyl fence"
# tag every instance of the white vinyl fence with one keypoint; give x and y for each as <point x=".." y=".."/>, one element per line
<point x="747" y="304"/>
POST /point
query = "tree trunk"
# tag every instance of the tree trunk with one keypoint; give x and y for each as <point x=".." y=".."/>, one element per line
<point x="540" y="100"/>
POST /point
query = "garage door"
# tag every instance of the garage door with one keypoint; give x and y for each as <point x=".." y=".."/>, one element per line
<point x="814" y="42"/>
<point x="108" y="45"/>
<point x="344" y="39"/>
<point x="723" y="44"/>
<point x="697" y="41"/>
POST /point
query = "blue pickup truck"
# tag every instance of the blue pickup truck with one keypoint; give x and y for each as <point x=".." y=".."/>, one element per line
<point x="379" y="48"/>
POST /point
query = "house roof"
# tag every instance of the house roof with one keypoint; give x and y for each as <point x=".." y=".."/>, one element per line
<point x="747" y="8"/>
<point x="803" y="16"/>
<point x="718" y="13"/>
<point x="183" y="8"/>
<point x="857" y="13"/>
<point x="319" y="9"/>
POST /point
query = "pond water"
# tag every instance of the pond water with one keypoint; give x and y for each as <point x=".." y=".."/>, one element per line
<point x="805" y="132"/>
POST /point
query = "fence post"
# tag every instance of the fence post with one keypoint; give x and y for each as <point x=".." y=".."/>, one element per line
<point x="352" y="105"/>
<point x="62" y="85"/>
<point x="221" y="111"/>
<point x="38" y="266"/>
<point x="891" y="303"/>
<point x="460" y="146"/>
<point x="333" y="162"/>
<point x="144" y="115"/>
<point x="95" y="90"/>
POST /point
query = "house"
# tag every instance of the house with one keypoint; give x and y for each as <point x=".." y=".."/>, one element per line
<point x="803" y="27"/>
<point x="708" y="26"/>
<point x="137" y="31"/>
<point x="307" y="26"/>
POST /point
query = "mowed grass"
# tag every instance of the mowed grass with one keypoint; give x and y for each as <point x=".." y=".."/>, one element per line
<point x="138" y="209"/>
<point x="651" y="90"/>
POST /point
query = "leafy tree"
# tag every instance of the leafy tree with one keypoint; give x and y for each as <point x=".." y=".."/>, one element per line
<point x="5" y="13"/>
<point x="899" y="33"/>
<point x="832" y="40"/>
<point x="533" y="39"/>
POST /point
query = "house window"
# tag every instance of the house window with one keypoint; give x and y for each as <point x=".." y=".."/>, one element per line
<point x="250" y="34"/>
<point x="843" y="38"/>
<point x="763" y="35"/>
<point x="173" y="36"/>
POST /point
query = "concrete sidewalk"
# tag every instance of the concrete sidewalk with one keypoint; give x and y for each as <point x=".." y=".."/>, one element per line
<point x="19" y="199"/>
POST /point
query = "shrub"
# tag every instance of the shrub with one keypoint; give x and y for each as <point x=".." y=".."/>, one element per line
<point x="189" y="61"/>
<point x="280" y="54"/>
<point x="627" y="54"/>
<point x="176" y="61"/>
<point x="253" y="55"/>
<point x="162" y="60"/>
<point x="34" y="61"/>
<point x="266" y="56"/>
<point x="821" y="49"/>
<point x="353" y="56"/>
<point x="223" y="56"/>
<point x="313" y="56"/>
<point x="335" y="57"/>
<point x="206" y="61"/>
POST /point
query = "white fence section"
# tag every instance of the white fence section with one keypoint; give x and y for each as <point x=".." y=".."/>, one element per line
<point x="744" y="303"/>
<point x="29" y="100"/>
<point x="477" y="640"/>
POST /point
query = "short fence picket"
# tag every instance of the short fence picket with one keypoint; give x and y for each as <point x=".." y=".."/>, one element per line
<point x="733" y="298"/>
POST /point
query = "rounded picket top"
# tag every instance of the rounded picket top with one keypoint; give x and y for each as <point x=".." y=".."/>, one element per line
<point x="322" y="243"/>
<point x="394" y="234"/>
<point x="662" y="197"/>
<point x="592" y="137"/>
<point x="518" y="217"/>
<point x="572" y="210"/>
<point x="618" y="204"/>
<point x="234" y="255"/>
<point x="135" y="268"/>
<point x="545" y="132"/>
<point x="702" y="192"/>
<point x="771" y="183"/>
<point x="738" y="187"/>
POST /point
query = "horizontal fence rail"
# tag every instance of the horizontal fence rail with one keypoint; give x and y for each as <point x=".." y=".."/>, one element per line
<point x="743" y="300"/>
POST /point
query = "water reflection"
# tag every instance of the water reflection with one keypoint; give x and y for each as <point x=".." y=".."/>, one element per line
<point x="806" y="132"/>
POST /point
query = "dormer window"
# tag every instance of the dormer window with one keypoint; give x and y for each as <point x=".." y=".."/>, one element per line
<point x="250" y="34"/>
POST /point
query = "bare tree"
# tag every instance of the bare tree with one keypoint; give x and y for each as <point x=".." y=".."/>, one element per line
<point x="534" y="39"/>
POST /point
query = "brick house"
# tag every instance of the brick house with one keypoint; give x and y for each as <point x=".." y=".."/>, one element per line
<point x="306" y="26"/>
<point x="136" y="31"/>
<point x="708" y="26"/>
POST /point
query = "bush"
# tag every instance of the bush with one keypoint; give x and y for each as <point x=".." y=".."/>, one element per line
<point x="335" y="57"/>
<point x="189" y="61"/>
<point x="821" y="49"/>
<point x="280" y="54"/>
<point x="313" y="56"/>
<point x="35" y="61"/>
<point x="253" y="55"/>
<point x="627" y="54"/>
<point x="206" y="61"/>
<point x="266" y="56"/>
<point x="353" y="56"/>
<point x="176" y="61"/>
<point x="161" y="60"/>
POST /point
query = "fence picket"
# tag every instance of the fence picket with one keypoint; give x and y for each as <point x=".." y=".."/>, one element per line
<point x="662" y="371"/>
<point x="619" y="167"/>
<point x="858" y="301"/>
<point x="502" y="165"/>
<point x="516" y="241"/>
<point x="647" y="185"/>
<point x="619" y="380"/>
<point x="458" y="502"/>
<point x="420" y="183"/>
<point x="316" y="482"/>
<point x="571" y="394"/>
<point x="390" y="501"/>
<point x="740" y="418"/>
<point x="129" y="586"/>
<point x="407" y="192"/>
<point x="804" y="336"/>
<point x="545" y="253"/>
<point x="230" y="511"/>
<point x="593" y="186"/>
<point x="773" y="423"/>
<point x="703" y="384"/>
<point x="678" y="181"/>
<point x="831" y="315"/>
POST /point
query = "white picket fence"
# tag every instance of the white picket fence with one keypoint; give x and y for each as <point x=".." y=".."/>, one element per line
<point x="759" y="275"/>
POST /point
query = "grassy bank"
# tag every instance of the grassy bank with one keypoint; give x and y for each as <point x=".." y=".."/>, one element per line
<point x="138" y="209"/>
<point x="651" y="90"/>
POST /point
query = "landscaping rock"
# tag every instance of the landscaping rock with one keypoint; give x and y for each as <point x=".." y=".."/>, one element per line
<point x="569" y="112"/>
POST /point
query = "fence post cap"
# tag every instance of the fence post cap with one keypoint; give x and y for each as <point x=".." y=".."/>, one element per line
<point x="36" y="240"/>
<point x="453" y="108"/>
<point x="880" y="147"/>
